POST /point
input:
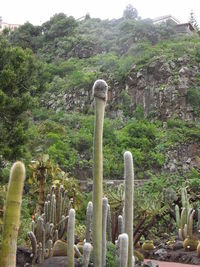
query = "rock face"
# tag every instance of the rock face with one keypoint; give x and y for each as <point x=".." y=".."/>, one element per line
<point x="162" y="88"/>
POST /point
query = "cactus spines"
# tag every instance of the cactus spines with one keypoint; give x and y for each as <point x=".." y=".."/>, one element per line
<point x="89" y="220"/>
<point x="12" y="215"/>
<point x="86" y="254"/>
<point x="120" y="225"/>
<point x="32" y="238"/>
<point x="100" y="94"/>
<point x="70" y="238"/>
<point x="128" y="208"/>
<point x="104" y="227"/>
<point x="123" y="246"/>
<point x="109" y="230"/>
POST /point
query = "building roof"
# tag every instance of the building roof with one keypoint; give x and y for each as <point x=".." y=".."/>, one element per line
<point x="191" y="27"/>
<point x="164" y="18"/>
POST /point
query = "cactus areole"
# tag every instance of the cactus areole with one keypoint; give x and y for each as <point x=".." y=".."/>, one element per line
<point x="100" y="96"/>
<point x="12" y="215"/>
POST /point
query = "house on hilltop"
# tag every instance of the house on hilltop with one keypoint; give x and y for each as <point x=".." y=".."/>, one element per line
<point x="5" y="25"/>
<point x="182" y="28"/>
<point x="164" y="19"/>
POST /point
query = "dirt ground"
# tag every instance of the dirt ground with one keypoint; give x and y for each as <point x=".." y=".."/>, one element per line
<point x="171" y="264"/>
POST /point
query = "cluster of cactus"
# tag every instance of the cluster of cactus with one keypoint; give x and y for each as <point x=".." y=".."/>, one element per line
<point x="184" y="218"/>
<point x="57" y="222"/>
<point x="50" y="226"/>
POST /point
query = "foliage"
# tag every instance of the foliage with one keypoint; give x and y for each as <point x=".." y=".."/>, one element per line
<point x="111" y="256"/>
<point x="130" y="12"/>
<point x="193" y="98"/>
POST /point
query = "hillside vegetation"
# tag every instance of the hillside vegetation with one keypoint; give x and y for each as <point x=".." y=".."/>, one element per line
<point x="62" y="57"/>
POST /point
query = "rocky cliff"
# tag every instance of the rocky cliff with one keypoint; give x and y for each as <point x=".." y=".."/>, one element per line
<point x="162" y="87"/>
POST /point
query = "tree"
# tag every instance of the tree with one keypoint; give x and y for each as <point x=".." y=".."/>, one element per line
<point x="17" y="74"/>
<point x="58" y="26"/>
<point x="130" y="12"/>
<point x="193" y="21"/>
<point x="27" y="36"/>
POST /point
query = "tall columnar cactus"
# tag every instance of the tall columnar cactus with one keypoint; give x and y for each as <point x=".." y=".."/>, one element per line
<point x="128" y="208"/>
<point x="12" y="215"/>
<point x="100" y="94"/>
<point x="123" y="246"/>
<point x="86" y="254"/>
<point x="104" y="227"/>
<point x="70" y="238"/>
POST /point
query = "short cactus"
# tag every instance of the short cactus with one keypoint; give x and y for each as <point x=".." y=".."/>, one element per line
<point x="32" y="238"/>
<point x="123" y="246"/>
<point x="89" y="220"/>
<point x="86" y="254"/>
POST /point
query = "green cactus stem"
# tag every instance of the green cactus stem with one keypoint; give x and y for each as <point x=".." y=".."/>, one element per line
<point x="33" y="240"/>
<point x="190" y="223"/>
<point x="77" y="251"/>
<point x="128" y="208"/>
<point x="40" y="253"/>
<point x="60" y="202"/>
<point x="104" y="227"/>
<point x="177" y="212"/>
<point x="89" y="220"/>
<point x="120" y="225"/>
<point x="50" y="247"/>
<point x="43" y="243"/>
<point x="70" y="238"/>
<point x="12" y="215"/>
<point x="109" y="230"/>
<point x="198" y="222"/>
<point x="86" y="254"/>
<point x="100" y="95"/>
<point x="33" y="226"/>
<point x="123" y="246"/>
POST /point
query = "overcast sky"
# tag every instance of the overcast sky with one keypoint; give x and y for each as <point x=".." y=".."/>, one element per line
<point x="39" y="11"/>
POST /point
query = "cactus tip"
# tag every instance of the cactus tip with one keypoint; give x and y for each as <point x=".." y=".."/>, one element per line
<point x="100" y="89"/>
<point x="127" y="155"/>
<point x="19" y="168"/>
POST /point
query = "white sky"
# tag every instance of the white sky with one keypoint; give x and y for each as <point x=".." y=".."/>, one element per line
<point x="39" y="11"/>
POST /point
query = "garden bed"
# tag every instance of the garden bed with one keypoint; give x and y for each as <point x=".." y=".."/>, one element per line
<point x="173" y="254"/>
